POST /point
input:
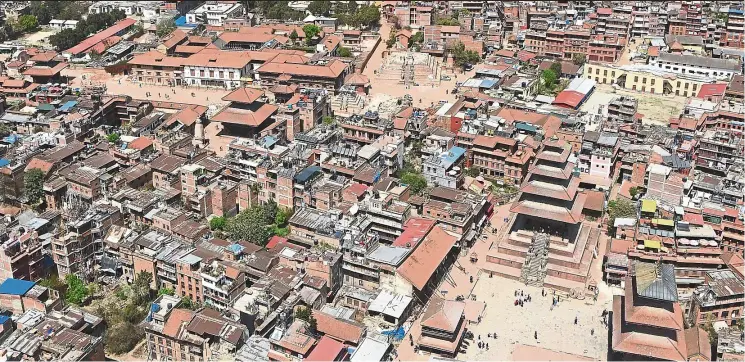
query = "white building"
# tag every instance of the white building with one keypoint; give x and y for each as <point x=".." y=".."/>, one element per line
<point x="693" y="64"/>
<point x="223" y="69"/>
<point x="148" y="9"/>
<point x="63" y="24"/>
<point x="214" y="13"/>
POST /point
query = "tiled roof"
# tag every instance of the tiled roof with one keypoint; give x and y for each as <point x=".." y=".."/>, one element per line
<point x="244" y="116"/>
<point x="443" y="314"/>
<point x="331" y="70"/>
<point x="177" y="319"/>
<point x="244" y="95"/>
<point x="94" y="40"/>
<point x="424" y="260"/>
<point x="339" y="329"/>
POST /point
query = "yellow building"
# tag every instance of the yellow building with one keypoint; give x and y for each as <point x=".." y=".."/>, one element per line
<point x="645" y="79"/>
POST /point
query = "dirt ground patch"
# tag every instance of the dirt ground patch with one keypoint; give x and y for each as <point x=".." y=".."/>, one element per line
<point x="657" y="109"/>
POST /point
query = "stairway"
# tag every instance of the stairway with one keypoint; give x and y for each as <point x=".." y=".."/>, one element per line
<point x="534" y="267"/>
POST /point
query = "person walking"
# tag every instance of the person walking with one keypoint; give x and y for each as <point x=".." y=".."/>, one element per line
<point x="535" y="335"/>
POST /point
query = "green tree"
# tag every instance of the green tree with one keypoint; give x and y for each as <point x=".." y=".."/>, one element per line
<point x="73" y="10"/>
<point x="556" y="68"/>
<point x="461" y="56"/>
<point x="293" y="35"/>
<point x="40" y="10"/>
<point x="77" y="292"/>
<point x="634" y="191"/>
<point x="313" y="324"/>
<point x="448" y="21"/>
<point x="218" y="223"/>
<point x="188" y="303"/>
<point x="345" y="52"/>
<point x="33" y="185"/>
<point x="708" y="327"/>
<point x="472" y="172"/>
<point x="549" y="78"/>
<point x="579" y="59"/>
<point x="27" y="23"/>
<point x="66" y="39"/>
<point x="113" y="138"/>
<point x="283" y="216"/>
<point x="165" y="27"/>
<point x="327" y="120"/>
<point x="391" y="40"/>
<point x="249" y="225"/>
<point x="620" y="208"/>
<point x="270" y="212"/>
<point x="417" y="183"/>
<point x="417" y="38"/>
<point x="123" y="337"/>
<point x="5" y="130"/>
<point x="320" y="8"/>
<point x="166" y="291"/>
<point x="368" y="16"/>
<point x="141" y="288"/>
<point x="311" y="31"/>
<point x="53" y="282"/>
<point x="303" y="313"/>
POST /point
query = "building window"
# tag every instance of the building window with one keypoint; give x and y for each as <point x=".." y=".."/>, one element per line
<point x="652" y="81"/>
<point x="636" y="78"/>
<point x="212" y="73"/>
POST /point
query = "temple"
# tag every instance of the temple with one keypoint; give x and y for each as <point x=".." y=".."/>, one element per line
<point x="647" y="320"/>
<point x="548" y="243"/>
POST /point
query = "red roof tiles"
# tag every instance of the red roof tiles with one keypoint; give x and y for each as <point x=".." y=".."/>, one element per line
<point x="424" y="260"/>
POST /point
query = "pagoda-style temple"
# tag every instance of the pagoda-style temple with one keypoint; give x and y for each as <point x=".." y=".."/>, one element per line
<point x="548" y="243"/>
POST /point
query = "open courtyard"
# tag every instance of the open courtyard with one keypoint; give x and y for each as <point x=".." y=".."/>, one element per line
<point x="515" y="325"/>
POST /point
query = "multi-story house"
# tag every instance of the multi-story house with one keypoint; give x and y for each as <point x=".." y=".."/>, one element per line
<point x="21" y="256"/>
<point x="719" y="299"/>
<point x="214" y="13"/>
<point x="326" y="74"/>
<point x="215" y="68"/>
<point x="81" y="240"/>
<point x="166" y="171"/>
<point x="501" y="157"/>
<point x="181" y="334"/>
<point x="445" y="169"/>
<point x="459" y="212"/>
<point x="157" y="68"/>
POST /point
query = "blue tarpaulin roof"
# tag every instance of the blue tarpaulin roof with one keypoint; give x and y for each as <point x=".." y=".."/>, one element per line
<point x="236" y="248"/>
<point x="4" y="162"/>
<point x="69" y="104"/>
<point x="181" y="21"/>
<point x="453" y="155"/>
<point x="15" y="286"/>
<point x="11" y="138"/>
<point x="3" y="319"/>
<point x="307" y="173"/>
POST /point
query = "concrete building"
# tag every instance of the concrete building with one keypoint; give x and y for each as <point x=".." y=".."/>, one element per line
<point x="646" y="79"/>
<point x="222" y="69"/>
<point x="697" y="65"/>
<point x="445" y="169"/>
<point x="214" y="13"/>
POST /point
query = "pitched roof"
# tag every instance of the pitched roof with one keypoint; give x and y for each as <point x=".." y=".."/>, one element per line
<point x="177" y="319"/>
<point x="218" y="59"/>
<point x="424" y="260"/>
<point x="175" y="38"/>
<point x="326" y="349"/>
<point x="698" y="343"/>
<point x="244" y="95"/>
<point x="156" y="58"/>
<point x="99" y="37"/>
<point x="339" y="329"/>
<point x="331" y="70"/>
<point x="443" y="314"/>
<point x="245" y="116"/>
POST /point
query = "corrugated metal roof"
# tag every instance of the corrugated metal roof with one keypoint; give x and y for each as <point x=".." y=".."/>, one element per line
<point x="656" y="281"/>
<point x="16" y="286"/>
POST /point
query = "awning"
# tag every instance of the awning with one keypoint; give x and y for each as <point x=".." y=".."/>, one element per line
<point x="663" y="222"/>
<point x="652" y="244"/>
<point x="649" y="206"/>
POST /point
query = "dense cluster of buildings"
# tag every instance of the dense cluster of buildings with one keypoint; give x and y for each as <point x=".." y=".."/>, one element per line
<point x="130" y="185"/>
